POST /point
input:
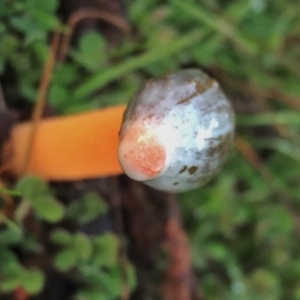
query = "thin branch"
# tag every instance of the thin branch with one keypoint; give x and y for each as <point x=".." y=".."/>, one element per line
<point x="41" y="97"/>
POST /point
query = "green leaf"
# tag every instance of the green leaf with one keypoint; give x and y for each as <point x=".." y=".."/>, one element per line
<point x="10" y="224"/>
<point x="91" y="52"/>
<point x="39" y="196"/>
<point x="44" y="19"/>
<point x="9" y="262"/>
<point x="10" y="237"/>
<point x="8" y="45"/>
<point x="8" y="284"/>
<point x="91" y="41"/>
<point x="66" y="73"/>
<point x="88" y="209"/>
<point x="217" y="251"/>
<point x="8" y="192"/>
<point x="66" y="259"/>
<point x="111" y="281"/>
<point x="31" y="186"/>
<point x="48" y="208"/>
<point x="106" y="248"/>
<point x="46" y="6"/>
<point x="83" y="246"/>
<point x="29" y="27"/>
<point x="59" y="96"/>
<point x="131" y="276"/>
<point x="32" y="281"/>
<point x="61" y="237"/>
<point x="31" y="244"/>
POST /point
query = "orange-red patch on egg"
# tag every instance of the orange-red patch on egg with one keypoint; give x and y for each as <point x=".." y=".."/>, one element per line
<point x="143" y="151"/>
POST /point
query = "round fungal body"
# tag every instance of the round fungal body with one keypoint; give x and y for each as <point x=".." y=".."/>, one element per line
<point x="176" y="132"/>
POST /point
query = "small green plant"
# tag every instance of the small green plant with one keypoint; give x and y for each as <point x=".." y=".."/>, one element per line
<point x="36" y="194"/>
<point x="94" y="258"/>
<point x="13" y="273"/>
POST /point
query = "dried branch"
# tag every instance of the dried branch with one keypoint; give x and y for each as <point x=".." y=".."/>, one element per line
<point x="41" y="97"/>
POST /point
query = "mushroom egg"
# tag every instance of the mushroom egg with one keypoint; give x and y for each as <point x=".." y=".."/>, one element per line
<point x="176" y="131"/>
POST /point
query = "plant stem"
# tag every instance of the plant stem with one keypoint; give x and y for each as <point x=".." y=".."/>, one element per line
<point x="41" y="97"/>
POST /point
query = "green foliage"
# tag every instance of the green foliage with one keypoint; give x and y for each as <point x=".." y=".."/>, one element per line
<point x="95" y="259"/>
<point x="87" y="209"/>
<point x="9" y="237"/>
<point x="76" y="248"/>
<point x="15" y="275"/>
<point x="106" y="284"/>
<point x="250" y="235"/>
<point x="91" y="52"/>
<point x="23" y="43"/>
<point x="106" y="250"/>
<point x="39" y="196"/>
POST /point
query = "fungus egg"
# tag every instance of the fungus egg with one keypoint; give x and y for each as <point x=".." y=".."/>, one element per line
<point x="176" y="131"/>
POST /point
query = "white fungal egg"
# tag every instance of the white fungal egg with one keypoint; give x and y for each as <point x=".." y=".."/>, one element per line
<point x="176" y="132"/>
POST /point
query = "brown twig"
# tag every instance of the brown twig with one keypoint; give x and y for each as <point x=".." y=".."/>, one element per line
<point x="41" y="97"/>
<point x="177" y="285"/>
<point x="80" y="15"/>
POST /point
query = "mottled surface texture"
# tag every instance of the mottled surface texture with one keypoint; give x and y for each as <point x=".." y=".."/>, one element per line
<point x="193" y="120"/>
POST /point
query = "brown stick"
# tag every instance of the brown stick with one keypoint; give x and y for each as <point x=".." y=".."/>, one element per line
<point x="41" y="97"/>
